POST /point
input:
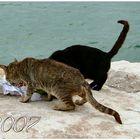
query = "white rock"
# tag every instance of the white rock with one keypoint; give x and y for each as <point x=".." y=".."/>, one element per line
<point x="125" y="76"/>
<point x="85" y="121"/>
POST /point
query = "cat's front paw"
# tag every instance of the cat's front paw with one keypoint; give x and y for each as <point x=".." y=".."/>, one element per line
<point x="24" y="99"/>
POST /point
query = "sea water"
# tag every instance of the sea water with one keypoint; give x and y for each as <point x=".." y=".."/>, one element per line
<point x="37" y="29"/>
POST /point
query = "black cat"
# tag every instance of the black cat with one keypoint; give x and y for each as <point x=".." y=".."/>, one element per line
<point x="93" y="63"/>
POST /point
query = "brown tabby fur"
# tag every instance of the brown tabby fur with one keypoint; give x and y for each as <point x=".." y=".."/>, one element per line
<point x="56" y="79"/>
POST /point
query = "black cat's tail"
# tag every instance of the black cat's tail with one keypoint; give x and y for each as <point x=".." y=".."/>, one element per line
<point x="120" y="39"/>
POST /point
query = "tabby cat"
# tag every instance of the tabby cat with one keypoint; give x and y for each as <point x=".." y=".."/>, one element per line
<point x="56" y="79"/>
<point x="92" y="62"/>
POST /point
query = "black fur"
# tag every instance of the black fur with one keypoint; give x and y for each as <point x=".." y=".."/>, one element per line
<point x="92" y="62"/>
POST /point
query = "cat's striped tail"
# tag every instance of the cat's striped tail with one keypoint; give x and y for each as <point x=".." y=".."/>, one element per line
<point x="99" y="106"/>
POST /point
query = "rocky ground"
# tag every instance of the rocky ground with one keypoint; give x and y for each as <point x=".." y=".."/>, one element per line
<point x="121" y="92"/>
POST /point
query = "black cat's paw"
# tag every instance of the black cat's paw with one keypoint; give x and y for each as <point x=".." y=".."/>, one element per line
<point x="95" y="87"/>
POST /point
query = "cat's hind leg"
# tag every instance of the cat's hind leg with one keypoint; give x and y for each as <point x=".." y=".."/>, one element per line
<point x="65" y="104"/>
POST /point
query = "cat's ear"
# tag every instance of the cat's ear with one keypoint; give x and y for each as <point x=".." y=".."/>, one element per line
<point x="15" y="60"/>
<point x="3" y="67"/>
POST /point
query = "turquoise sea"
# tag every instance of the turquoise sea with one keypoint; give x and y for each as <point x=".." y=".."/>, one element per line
<point x="37" y="29"/>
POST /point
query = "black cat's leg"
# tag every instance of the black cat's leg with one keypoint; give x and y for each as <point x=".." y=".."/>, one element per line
<point x="98" y="83"/>
<point x="93" y="84"/>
